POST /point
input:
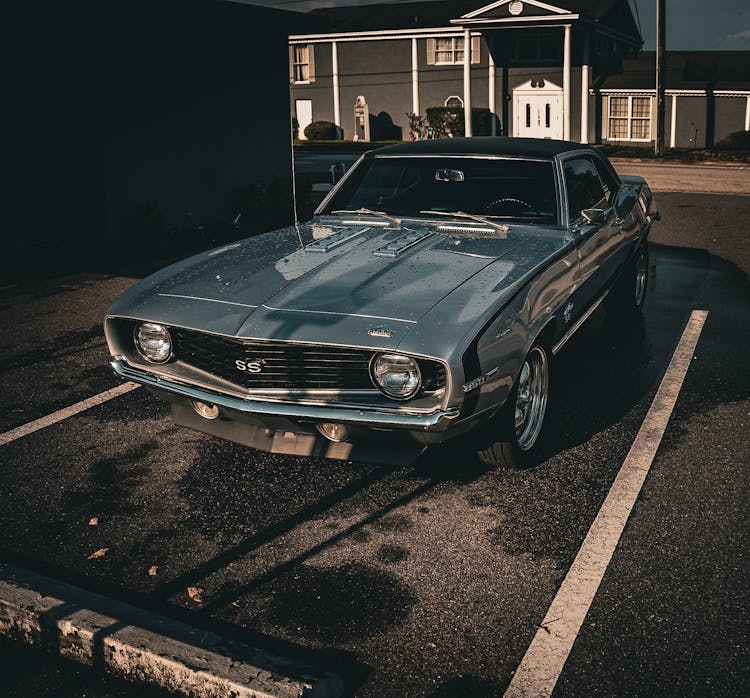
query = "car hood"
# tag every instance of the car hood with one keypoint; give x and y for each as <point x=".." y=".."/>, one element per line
<point x="354" y="284"/>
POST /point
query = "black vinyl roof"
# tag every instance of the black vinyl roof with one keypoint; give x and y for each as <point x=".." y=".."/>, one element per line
<point x="483" y="145"/>
<point x="686" y="70"/>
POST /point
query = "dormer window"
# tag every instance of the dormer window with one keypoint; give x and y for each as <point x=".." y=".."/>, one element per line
<point x="537" y="47"/>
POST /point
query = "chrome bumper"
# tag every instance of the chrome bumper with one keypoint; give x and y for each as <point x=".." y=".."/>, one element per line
<point x="352" y="415"/>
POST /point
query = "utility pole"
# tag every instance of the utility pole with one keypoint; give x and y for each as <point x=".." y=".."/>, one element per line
<point x="661" y="20"/>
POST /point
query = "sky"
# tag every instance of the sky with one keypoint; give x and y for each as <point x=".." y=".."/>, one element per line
<point x="691" y="24"/>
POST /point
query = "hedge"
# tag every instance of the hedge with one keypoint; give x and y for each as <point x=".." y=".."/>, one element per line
<point x="322" y="131"/>
<point x="442" y="122"/>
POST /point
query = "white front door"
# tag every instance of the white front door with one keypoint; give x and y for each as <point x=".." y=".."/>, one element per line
<point x="303" y="109"/>
<point x="538" y="113"/>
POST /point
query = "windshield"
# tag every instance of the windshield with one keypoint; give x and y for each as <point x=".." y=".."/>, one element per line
<point x="403" y="186"/>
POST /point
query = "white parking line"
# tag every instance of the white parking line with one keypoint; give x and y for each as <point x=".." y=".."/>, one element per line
<point x="65" y="412"/>
<point x="545" y="658"/>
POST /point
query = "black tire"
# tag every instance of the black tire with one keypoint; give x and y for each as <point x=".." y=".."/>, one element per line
<point x="629" y="293"/>
<point x="513" y="441"/>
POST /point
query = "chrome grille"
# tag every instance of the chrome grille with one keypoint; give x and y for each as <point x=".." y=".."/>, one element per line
<point x="282" y="365"/>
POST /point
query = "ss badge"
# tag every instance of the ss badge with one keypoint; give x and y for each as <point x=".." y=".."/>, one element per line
<point x="249" y="366"/>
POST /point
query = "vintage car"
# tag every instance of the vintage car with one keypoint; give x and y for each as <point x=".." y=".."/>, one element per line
<point x="424" y="300"/>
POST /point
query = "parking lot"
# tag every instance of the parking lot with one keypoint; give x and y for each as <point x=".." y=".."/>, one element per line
<point x="426" y="580"/>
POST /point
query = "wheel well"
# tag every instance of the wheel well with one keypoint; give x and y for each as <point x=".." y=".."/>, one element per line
<point x="547" y="334"/>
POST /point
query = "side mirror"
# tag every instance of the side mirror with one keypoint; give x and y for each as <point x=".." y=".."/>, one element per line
<point x="593" y="215"/>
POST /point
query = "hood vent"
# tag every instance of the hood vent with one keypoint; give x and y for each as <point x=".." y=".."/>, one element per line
<point x="337" y="239"/>
<point x="402" y="243"/>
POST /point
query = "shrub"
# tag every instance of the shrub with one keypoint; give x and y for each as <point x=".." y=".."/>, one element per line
<point x="322" y="131"/>
<point x="417" y="126"/>
<point x="443" y="122"/>
<point x="739" y="140"/>
<point x="449" y="121"/>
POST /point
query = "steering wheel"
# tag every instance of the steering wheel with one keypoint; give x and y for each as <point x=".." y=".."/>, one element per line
<point x="512" y="200"/>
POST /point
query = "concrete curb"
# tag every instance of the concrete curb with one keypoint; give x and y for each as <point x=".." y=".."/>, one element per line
<point x="143" y="647"/>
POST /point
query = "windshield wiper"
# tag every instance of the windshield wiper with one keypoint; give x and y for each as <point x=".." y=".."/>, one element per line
<point x="502" y="227"/>
<point x="370" y="212"/>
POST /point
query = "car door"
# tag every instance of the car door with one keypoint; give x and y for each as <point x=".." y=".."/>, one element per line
<point x="598" y="237"/>
<point x="626" y="215"/>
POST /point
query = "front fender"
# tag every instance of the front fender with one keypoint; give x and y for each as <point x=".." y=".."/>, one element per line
<point x="493" y="361"/>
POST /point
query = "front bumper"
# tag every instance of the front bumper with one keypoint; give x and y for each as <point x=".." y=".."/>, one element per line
<point x="438" y="420"/>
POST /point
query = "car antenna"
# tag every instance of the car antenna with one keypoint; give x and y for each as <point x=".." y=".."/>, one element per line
<point x="294" y="182"/>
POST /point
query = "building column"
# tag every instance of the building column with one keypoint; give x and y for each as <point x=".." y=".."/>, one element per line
<point x="414" y="77"/>
<point x="336" y="96"/>
<point x="747" y="114"/>
<point x="467" y="82"/>
<point x="491" y="89"/>
<point x="505" y="101"/>
<point x="585" y="84"/>
<point x="566" y="84"/>
<point x="673" y="124"/>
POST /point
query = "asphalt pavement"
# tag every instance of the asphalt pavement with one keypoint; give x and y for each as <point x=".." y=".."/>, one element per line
<point x="427" y="580"/>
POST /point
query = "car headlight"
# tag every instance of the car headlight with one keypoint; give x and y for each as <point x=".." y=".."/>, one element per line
<point x="397" y="375"/>
<point x="153" y="342"/>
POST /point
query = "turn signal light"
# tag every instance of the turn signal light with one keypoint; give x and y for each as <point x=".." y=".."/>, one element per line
<point x="332" y="431"/>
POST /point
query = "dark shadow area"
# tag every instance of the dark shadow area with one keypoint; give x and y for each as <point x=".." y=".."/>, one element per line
<point x="237" y="592"/>
<point x="614" y="362"/>
<point x="150" y="153"/>
<point x="382" y="128"/>
<point x="467" y="687"/>
<point x="273" y="531"/>
<point x="327" y="602"/>
<point x="28" y="672"/>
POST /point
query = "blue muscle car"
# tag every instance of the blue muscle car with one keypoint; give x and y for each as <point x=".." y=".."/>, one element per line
<point x="426" y="299"/>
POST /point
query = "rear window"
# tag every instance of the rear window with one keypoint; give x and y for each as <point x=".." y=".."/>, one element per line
<point x="503" y="189"/>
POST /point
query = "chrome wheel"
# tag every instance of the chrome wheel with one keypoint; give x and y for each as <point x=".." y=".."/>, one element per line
<point x="641" y="277"/>
<point x="531" y="398"/>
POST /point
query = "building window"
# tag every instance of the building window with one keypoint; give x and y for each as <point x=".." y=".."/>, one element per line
<point x="629" y="118"/>
<point x="454" y="101"/>
<point x="301" y="63"/>
<point x="449" y="51"/>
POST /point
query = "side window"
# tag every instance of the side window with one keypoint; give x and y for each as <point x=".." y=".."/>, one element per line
<point x="583" y="185"/>
<point x="609" y="180"/>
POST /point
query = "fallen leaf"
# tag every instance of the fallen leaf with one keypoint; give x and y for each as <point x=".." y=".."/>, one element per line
<point x="94" y="521"/>
<point x="153" y="570"/>
<point x="98" y="553"/>
<point x="195" y="594"/>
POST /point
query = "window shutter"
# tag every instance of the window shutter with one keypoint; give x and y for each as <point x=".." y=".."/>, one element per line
<point x="311" y="58"/>
<point x="475" y="53"/>
<point x="605" y="110"/>
<point x="291" y="64"/>
<point x="430" y="51"/>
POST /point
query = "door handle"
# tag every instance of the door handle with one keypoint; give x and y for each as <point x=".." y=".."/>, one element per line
<point x="618" y="222"/>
